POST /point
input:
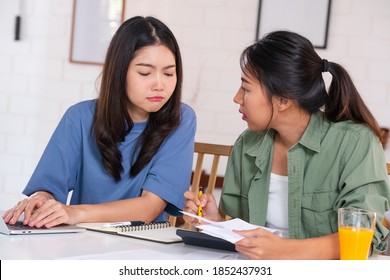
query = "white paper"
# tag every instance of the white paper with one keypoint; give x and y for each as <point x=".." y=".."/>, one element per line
<point x="225" y="229"/>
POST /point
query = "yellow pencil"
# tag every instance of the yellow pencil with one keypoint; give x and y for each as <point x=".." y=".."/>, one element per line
<point x="200" y="209"/>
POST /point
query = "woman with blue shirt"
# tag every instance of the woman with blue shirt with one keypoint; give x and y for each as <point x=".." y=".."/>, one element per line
<point x="128" y="154"/>
<point x="308" y="152"/>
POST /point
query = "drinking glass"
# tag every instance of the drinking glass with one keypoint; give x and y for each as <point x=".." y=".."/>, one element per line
<point x="356" y="229"/>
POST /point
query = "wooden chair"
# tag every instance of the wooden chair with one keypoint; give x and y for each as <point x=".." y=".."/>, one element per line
<point x="386" y="220"/>
<point x="216" y="151"/>
<point x="201" y="150"/>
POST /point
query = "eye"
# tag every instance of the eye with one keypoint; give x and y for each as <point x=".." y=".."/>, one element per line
<point x="169" y="74"/>
<point x="143" y="74"/>
<point x="244" y="90"/>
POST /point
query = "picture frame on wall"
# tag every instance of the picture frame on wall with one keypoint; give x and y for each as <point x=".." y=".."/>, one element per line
<point x="306" y="17"/>
<point x="94" y="22"/>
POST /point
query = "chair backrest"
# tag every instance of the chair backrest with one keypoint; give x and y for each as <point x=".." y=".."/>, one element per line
<point x="201" y="150"/>
<point x="386" y="224"/>
<point x="216" y="151"/>
<point x="386" y="220"/>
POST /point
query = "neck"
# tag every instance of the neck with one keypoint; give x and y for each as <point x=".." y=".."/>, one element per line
<point x="291" y="128"/>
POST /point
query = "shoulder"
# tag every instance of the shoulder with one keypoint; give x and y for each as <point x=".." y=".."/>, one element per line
<point x="81" y="110"/>
<point x="83" y="106"/>
<point x="351" y="130"/>
<point x="352" y="139"/>
<point x="188" y="116"/>
<point x="187" y="112"/>
<point x="80" y="115"/>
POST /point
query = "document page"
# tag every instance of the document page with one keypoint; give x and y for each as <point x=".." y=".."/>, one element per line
<point x="225" y="229"/>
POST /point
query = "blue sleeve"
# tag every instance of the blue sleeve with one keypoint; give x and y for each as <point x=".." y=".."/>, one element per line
<point x="170" y="175"/>
<point x="57" y="169"/>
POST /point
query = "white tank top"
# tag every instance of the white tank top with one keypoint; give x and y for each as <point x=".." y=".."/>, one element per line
<point x="277" y="211"/>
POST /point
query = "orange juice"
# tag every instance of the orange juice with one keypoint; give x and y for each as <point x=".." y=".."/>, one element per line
<point x="355" y="243"/>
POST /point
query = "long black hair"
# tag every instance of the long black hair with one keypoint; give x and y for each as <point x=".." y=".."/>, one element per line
<point x="112" y="121"/>
<point x="287" y="65"/>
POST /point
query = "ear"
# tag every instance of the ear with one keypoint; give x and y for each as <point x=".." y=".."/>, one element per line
<point x="284" y="103"/>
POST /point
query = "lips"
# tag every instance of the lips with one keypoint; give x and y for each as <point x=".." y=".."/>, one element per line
<point x="243" y="115"/>
<point x="155" y="98"/>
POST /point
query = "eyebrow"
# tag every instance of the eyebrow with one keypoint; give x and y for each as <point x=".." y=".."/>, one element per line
<point x="154" y="67"/>
<point x="245" y="81"/>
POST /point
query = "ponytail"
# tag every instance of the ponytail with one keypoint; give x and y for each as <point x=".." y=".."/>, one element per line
<point x="345" y="102"/>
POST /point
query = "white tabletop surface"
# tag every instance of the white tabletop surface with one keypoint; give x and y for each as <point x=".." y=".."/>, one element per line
<point x="95" y="245"/>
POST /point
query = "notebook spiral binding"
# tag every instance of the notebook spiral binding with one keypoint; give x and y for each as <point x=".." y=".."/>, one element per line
<point x="145" y="226"/>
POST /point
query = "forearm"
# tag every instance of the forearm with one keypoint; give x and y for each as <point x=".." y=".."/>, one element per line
<point x="144" y="208"/>
<point x="319" y="248"/>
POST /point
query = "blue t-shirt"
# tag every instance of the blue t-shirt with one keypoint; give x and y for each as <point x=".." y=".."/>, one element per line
<point x="72" y="162"/>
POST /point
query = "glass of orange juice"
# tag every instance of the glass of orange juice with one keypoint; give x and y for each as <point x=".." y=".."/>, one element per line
<point x="356" y="229"/>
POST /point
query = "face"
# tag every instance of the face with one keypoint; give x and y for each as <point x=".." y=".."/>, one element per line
<point x="150" y="81"/>
<point x="255" y="107"/>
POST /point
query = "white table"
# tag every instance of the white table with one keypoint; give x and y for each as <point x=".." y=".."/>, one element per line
<point x="94" y="255"/>
<point x="98" y="246"/>
<point x="95" y="245"/>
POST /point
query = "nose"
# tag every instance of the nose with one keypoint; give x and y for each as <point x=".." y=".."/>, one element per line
<point x="238" y="97"/>
<point x="158" y="83"/>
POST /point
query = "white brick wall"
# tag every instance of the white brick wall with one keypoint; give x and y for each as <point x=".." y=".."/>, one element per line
<point x="38" y="83"/>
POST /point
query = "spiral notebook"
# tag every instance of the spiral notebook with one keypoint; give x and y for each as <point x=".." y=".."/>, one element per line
<point x="160" y="232"/>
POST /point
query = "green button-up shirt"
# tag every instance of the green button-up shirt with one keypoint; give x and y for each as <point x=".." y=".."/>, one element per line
<point x="334" y="165"/>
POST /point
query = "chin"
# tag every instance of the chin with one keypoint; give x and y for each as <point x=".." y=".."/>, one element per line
<point x="154" y="110"/>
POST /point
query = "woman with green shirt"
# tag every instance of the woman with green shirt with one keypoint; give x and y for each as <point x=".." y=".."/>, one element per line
<point x="307" y="153"/>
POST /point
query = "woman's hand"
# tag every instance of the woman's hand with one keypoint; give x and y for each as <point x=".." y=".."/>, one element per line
<point x="260" y="244"/>
<point x="53" y="213"/>
<point x="206" y="201"/>
<point x="27" y="206"/>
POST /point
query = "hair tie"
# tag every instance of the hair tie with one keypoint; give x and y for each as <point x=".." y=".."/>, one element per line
<point x="325" y="65"/>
